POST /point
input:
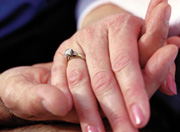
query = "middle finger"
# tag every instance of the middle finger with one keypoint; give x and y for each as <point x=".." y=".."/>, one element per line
<point x="102" y="78"/>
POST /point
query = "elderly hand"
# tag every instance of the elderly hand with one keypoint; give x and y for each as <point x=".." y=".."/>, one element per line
<point x="112" y="73"/>
<point x="27" y="93"/>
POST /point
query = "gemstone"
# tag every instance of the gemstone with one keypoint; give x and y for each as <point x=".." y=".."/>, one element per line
<point x="68" y="53"/>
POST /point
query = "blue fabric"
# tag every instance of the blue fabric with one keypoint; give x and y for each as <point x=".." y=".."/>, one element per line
<point x="81" y="6"/>
<point x="16" y="13"/>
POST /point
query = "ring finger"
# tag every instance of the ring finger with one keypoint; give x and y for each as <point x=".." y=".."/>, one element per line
<point x="83" y="97"/>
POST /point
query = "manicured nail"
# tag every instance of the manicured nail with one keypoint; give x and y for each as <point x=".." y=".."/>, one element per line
<point x="137" y="115"/>
<point x="171" y="84"/>
<point x="91" y="129"/>
<point x="167" y="14"/>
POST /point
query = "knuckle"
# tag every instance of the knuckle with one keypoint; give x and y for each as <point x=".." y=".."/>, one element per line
<point x="127" y="18"/>
<point x="88" y="33"/>
<point x="120" y="19"/>
<point x="89" y="30"/>
<point x="93" y="34"/>
<point x="101" y="82"/>
<point x="120" y="62"/>
<point x="76" y="76"/>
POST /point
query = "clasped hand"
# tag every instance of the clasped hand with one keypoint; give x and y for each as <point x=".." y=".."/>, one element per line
<point x="123" y="69"/>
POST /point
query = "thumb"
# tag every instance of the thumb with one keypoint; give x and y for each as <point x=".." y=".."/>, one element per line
<point x="157" y="67"/>
<point x="24" y="94"/>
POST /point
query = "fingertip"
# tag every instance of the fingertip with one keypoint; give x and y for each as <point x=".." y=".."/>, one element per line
<point x="57" y="111"/>
<point x="169" y="86"/>
<point x="174" y="40"/>
<point x="139" y="111"/>
<point x="173" y="49"/>
<point x="137" y="115"/>
<point x="152" y="5"/>
<point x="166" y="55"/>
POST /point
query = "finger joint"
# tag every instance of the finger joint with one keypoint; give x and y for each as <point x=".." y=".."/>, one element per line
<point x="120" y="62"/>
<point x="101" y="82"/>
<point x="76" y="76"/>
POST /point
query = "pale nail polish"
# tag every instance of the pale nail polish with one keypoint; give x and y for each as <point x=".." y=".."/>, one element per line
<point x="137" y="115"/>
<point x="171" y="84"/>
<point x="91" y="129"/>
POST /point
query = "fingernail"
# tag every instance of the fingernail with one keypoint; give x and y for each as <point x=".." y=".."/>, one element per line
<point x="171" y="84"/>
<point x="167" y="14"/>
<point x="91" y="129"/>
<point x="137" y="115"/>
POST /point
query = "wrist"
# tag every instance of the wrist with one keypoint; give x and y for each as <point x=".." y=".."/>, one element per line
<point x="101" y="12"/>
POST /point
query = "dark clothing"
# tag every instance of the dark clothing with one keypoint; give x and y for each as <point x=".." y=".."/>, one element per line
<point x="34" y="30"/>
<point x="15" y="14"/>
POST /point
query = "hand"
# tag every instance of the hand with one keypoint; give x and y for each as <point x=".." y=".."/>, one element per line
<point x="149" y="43"/>
<point x="30" y="80"/>
<point x="111" y="72"/>
<point x="27" y="94"/>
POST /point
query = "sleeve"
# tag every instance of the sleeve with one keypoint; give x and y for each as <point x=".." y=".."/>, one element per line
<point x="136" y="7"/>
<point x="15" y="14"/>
<point x="85" y="6"/>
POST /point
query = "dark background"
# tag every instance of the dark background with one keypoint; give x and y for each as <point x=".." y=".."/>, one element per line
<point x="38" y="40"/>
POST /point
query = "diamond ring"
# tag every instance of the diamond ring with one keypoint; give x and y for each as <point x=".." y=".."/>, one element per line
<point x="70" y="53"/>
